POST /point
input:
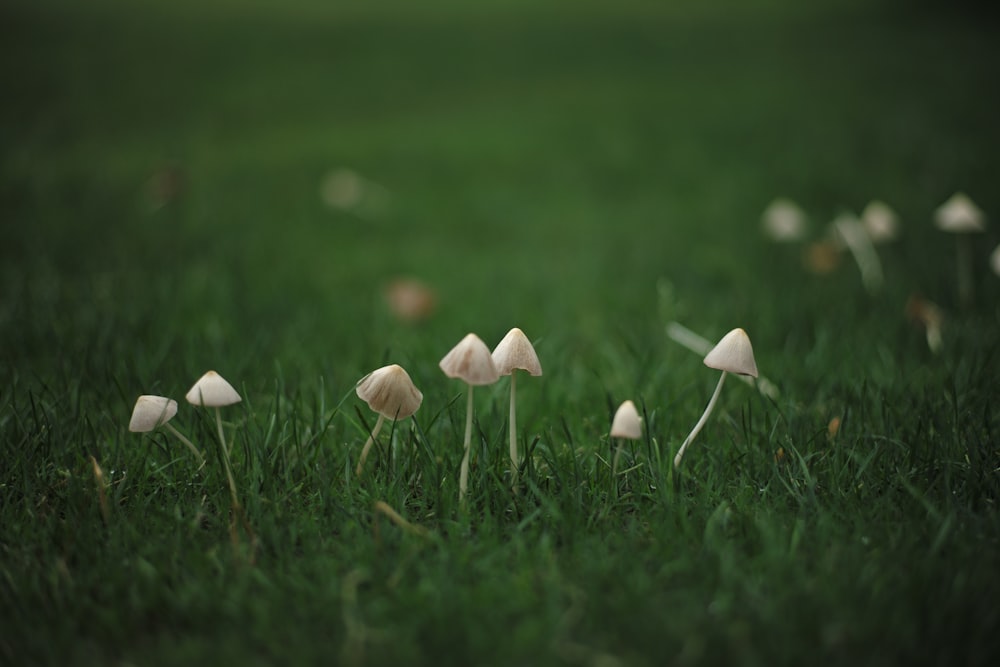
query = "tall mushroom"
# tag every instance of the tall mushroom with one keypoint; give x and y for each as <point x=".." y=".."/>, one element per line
<point x="471" y="362"/>
<point x="626" y="425"/>
<point x="959" y="216"/>
<point x="515" y="352"/>
<point x="213" y="391"/>
<point x="390" y="392"/>
<point x="732" y="354"/>
<point x="153" y="411"/>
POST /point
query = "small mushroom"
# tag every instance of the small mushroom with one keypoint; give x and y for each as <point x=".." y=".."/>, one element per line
<point x="213" y="391"/>
<point x="390" y="392"/>
<point x="929" y="316"/>
<point x="151" y="412"/>
<point x="626" y="425"/>
<point x="732" y="354"/>
<point x="471" y="362"/>
<point x="880" y="221"/>
<point x="515" y="352"/>
<point x="784" y="221"/>
<point x="959" y="216"/>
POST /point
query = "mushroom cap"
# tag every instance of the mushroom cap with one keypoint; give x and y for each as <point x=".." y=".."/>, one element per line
<point x="880" y="221"/>
<point x="150" y="412"/>
<point x="959" y="215"/>
<point x="627" y="423"/>
<point x="784" y="221"/>
<point x="733" y="354"/>
<point x="212" y="391"/>
<point x="471" y="361"/>
<point x="390" y="392"/>
<point x="516" y="351"/>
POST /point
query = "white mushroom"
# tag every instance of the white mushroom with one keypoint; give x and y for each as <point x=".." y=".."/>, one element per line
<point x="959" y="216"/>
<point x="390" y="392"/>
<point x="626" y="425"/>
<point x="515" y="352"/>
<point x="151" y="412"/>
<point x="471" y="362"/>
<point x="732" y="354"/>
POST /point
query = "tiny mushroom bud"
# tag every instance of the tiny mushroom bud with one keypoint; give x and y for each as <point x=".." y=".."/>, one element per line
<point x="472" y="362"/>
<point x="150" y="412"/>
<point x="732" y="354"/>
<point x="390" y="392"/>
<point x="515" y="352"/>
<point x="961" y="217"/>
<point x="626" y="425"/>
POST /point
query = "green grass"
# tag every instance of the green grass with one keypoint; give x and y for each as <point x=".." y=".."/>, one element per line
<point x="586" y="174"/>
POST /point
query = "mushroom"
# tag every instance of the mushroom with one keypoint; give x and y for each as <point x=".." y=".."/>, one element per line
<point x="626" y="425"/>
<point x="880" y="221"/>
<point x="390" y="392"/>
<point x="683" y="336"/>
<point x="153" y="411"/>
<point x="961" y="217"/>
<point x="852" y="232"/>
<point x="512" y="353"/>
<point x="784" y="221"/>
<point x="732" y="354"/>
<point x="471" y="362"/>
<point x="928" y="315"/>
<point x="212" y="391"/>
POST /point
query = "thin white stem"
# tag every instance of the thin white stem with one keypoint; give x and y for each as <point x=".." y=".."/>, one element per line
<point x="618" y="453"/>
<point x="701" y="421"/>
<point x="514" y="463"/>
<point x="190" y="445"/>
<point x="463" y="478"/>
<point x="369" y="443"/>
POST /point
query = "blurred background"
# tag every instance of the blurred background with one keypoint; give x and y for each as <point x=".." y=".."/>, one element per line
<point x="243" y="183"/>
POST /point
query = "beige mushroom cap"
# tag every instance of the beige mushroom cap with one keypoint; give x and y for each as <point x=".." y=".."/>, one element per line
<point x="150" y="412"/>
<point x="733" y="354"/>
<point x="212" y="391"/>
<point x="784" y="221"/>
<point x="959" y="215"/>
<point x="471" y="361"/>
<point x="516" y="351"/>
<point x="880" y="221"/>
<point x="390" y="392"/>
<point x="627" y="423"/>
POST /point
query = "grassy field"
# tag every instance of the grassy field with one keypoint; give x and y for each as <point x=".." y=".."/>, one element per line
<point x="586" y="172"/>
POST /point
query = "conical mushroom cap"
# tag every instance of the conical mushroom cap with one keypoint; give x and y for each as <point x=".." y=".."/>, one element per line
<point x="471" y="361"/>
<point x="516" y="351"/>
<point x="150" y="412"/>
<point x="390" y="392"/>
<point x="959" y="215"/>
<point x="733" y="354"/>
<point x="626" y="423"/>
<point x="212" y="391"/>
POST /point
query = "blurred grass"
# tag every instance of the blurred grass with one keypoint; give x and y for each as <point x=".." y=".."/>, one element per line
<point x="586" y="173"/>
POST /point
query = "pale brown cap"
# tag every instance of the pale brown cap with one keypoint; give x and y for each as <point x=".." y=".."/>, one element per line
<point x="471" y="361"/>
<point x="516" y="351"/>
<point x="389" y="391"/>
<point x="783" y="220"/>
<point x="959" y="215"/>
<point x="212" y="391"/>
<point x="150" y="412"/>
<point x="733" y="354"/>
<point x="627" y="423"/>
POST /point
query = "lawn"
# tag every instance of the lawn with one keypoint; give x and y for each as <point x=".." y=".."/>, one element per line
<point x="227" y="185"/>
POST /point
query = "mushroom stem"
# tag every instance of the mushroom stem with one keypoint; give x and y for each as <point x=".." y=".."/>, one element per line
<point x="463" y="479"/>
<point x="618" y="453"/>
<point x="514" y="463"/>
<point x="190" y="445"/>
<point x="964" y="268"/>
<point x="701" y="421"/>
<point x="369" y="443"/>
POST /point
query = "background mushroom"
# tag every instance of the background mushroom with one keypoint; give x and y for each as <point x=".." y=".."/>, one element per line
<point x="515" y="352"/>
<point x="390" y="392"/>
<point x="961" y="217"/>
<point x="471" y="362"/>
<point x="732" y="354"/>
